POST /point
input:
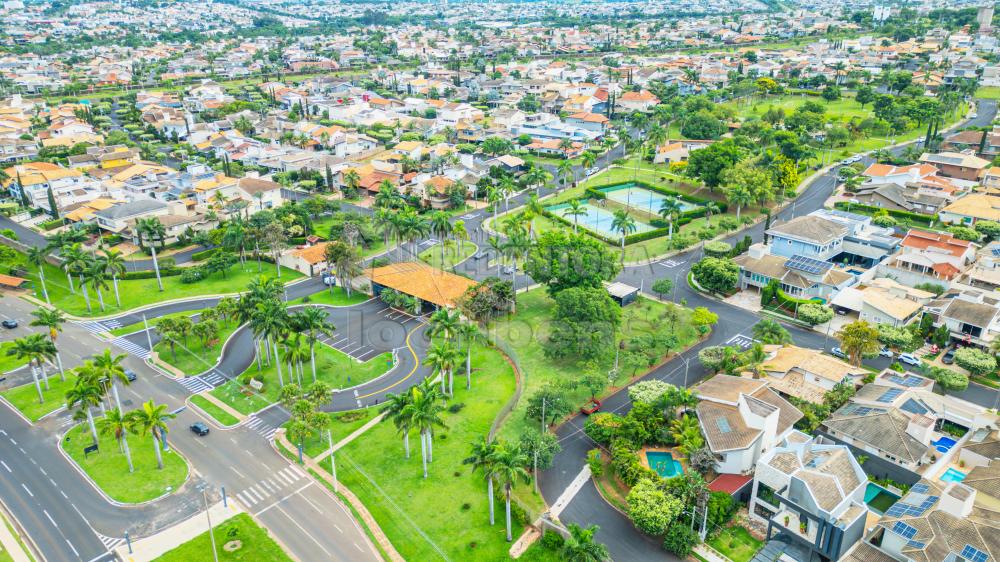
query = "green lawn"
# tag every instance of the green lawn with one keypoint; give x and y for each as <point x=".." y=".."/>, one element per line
<point x="842" y="110"/>
<point x="124" y="330"/>
<point x="192" y="356"/>
<point x="140" y="292"/>
<point x="988" y="93"/>
<point x="257" y="545"/>
<point x="452" y="254"/>
<point x="241" y="398"/>
<point x="218" y="414"/>
<point x="338" y="297"/>
<point x="9" y="362"/>
<point x="736" y="543"/>
<point x="332" y="366"/>
<point x="447" y="511"/>
<point x="342" y="424"/>
<point x="25" y="397"/>
<point x="109" y="468"/>
<point x="526" y="331"/>
<point x="5" y="556"/>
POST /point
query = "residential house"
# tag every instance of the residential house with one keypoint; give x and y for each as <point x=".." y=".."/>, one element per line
<point x="591" y="121"/>
<point x="929" y="257"/>
<point x="637" y="101"/>
<point x="971" y="208"/>
<point x="741" y="420"/>
<point x="971" y="315"/>
<point x="116" y="219"/>
<point x="883" y="301"/>
<point x="957" y="164"/>
<point x="800" y="277"/>
<point x="806" y="374"/>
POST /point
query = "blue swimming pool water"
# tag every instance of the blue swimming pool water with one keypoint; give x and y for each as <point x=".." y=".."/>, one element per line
<point x="664" y="464"/>
<point x="943" y="444"/>
<point x="952" y="475"/>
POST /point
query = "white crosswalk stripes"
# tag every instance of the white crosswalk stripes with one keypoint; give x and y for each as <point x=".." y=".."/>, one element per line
<point x="260" y="426"/>
<point x="194" y="384"/>
<point x="133" y="348"/>
<point x="214" y="378"/>
<point x="277" y="485"/>
<point x="95" y="328"/>
<point x="110" y="542"/>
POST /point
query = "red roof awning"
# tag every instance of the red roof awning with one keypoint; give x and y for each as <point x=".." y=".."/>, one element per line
<point x="729" y="483"/>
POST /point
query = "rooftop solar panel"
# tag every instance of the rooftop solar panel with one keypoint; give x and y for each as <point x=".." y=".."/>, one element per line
<point x="889" y="395"/>
<point x="996" y="251"/>
<point x="906" y="380"/>
<point x="904" y="530"/>
<point x="807" y="264"/>
<point x="973" y="554"/>
<point x="914" y="407"/>
<point x="920" y="489"/>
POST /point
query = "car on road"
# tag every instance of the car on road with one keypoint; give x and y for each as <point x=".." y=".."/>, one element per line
<point x="949" y="356"/>
<point x="199" y="428"/>
<point x="130" y="375"/>
<point x="478" y="256"/>
<point x="885" y="352"/>
<point x="509" y="269"/>
<point x="592" y="171"/>
<point x="837" y="352"/>
<point x="9" y="324"/>
<point x="910" y="359"/>
<point x="330" y="280"/>
<point x="973" y="115"/>
<point x="592" y="405"/>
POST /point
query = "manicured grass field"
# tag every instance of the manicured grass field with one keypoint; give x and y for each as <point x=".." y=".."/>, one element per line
<point x="242" y="399"/>
<point x="223" y="417"/>
<point x="452" y="255"/>
<point x="131" y="328"/>
<point x="526" y="331"/>
<point x="842" y="110"/>
<point x="109" y="467"/>
<point x="338" y="297"/>
<point x="342" y="424"/>
<point x="450" y="507"/>
<point x="332" y="366"/>
<point x="736" y="543"/>
<point x="192" y="356"/>
<point x="9" y="362"/>
<point x="988" y="93"/>
<point x="257" y="544"/>
<point x="25" y="397"/>
<point x="140" y="292"/>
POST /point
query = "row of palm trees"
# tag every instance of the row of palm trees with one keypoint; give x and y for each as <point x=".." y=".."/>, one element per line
<point x="503" y="463"/>
<point x="37" y="349"/>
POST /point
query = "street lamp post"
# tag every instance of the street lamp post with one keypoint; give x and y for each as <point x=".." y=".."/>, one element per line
<point x="333" y="461"/>
<point x="208" y="515"/>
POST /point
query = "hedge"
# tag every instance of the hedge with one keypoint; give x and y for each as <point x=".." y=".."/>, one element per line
<point x="51" y="224"/>
<point x="150" y="274"/>
<point x="204" y="254"/>
<point x="784" y="299"/>
<point x="871" y="210"/>
<point x="593" y="191"/>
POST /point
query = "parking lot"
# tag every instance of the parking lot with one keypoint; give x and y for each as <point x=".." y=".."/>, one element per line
<point x="371" y="331"/>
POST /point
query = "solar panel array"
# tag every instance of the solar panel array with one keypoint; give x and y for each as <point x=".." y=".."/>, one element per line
<point x="889" y="395"/>
<point x="904" y="530"/>
<point x="858" y="410"/>
<point x="723" y="425"/>
<point x="808" y="265"/>
<point x="901" y="509"/>
<point x="914" y="407"/>
<point x="973" y="554"/>
<point x="920" y="489"/>
<point x="906" y="380"/>
<point x="916" y="544"/>
<point x="996" y="251"/>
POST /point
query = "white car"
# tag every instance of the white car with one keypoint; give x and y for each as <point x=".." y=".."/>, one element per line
<point x="910" y="359"/>
<point x="330" y="280"/>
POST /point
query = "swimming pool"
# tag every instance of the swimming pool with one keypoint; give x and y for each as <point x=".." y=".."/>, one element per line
<point x="878" y="498"/>
<point x="642" y="199"/>
<point x="952" y="475"/>
<point x="598" y="220"/>
<point x="664" y="464"/>
<point x="944" y="444"/>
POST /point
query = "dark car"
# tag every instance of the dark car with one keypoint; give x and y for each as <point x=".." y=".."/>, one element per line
<point x="130" y="375"/>
<point x="9" y="324"/>
<point x="949" y="356"/>
<point x="199" y="428"/>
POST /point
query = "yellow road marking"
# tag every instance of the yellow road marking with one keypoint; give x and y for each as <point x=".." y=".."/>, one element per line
<point x="408" y="375"/>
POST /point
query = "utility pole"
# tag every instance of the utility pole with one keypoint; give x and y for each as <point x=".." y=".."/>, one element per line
<point x="333" y="461"/>
<point x="149" y="338"/>
<point x="211" y="534"/>
<point x="543" y="414"/>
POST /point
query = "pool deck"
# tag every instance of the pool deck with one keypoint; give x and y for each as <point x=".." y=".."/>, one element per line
<point x="677" y="456"/>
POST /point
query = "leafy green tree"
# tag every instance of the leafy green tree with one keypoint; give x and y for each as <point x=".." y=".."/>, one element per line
<point x="948" y="379"/>
<point x="581" y="546"/>
<point x="651" y="509"/>
<point x="975" y="361"/>
<point x="708" y="164"/>
<point x="546" y="445"/>
<point x="858" y="339"/>
<point x="896" y="338"/>
<point x="965" y="233"/>
<point x="680" y="540"/>
<point x="563" y="259"/>
<point x="718" y="275"/>
<point x="989" y="229"/>
<point x="585" y="322"/>
<point x="549" y="400"/>
<point x="814" y="313"/>
<point x="768" y="331"/>
<point x="703" y="125"/>
<point x="662" y="287"/>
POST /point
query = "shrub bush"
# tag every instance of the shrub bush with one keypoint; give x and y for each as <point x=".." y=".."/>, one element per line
<point x="718" y="249"/>
<point x="871" y="210"/>
<point x="192" y="275"/>
<point x="204" y="254"/>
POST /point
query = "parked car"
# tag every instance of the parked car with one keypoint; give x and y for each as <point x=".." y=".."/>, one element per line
<point x="591" y="406"/>
<point x="130" y="375"/>
<point x="910" y="359"/>
<point x="509" y="269"/>
<point x="479" y="255"/>
<point x="330" y="280"/>
<point x="949" y="356"/>
<point x="885" y="352"/>
<point x="9" y="324"/>
<point x="199" y="428"/>
<point x="837" y="352"/>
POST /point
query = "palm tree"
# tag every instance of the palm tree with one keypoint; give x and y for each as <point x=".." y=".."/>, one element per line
<point x="537" y="177"/>
<point x="74" y="262"/>
<point x="36" y="349"/>
<point x="498" y="246"/>
<point x="493" y="197"/>
<point x="151" y="419"/>
<point x="624" y="224"/>
<point x="482" y="458"/>
<point x="508" y="188"/>
<point x="36" y="257"/>
<point x="588" y="159"/>
<point x="114" y="265"/>
<point x="444" y="323"/>
<point x="770" y="332"/>
<point x="117" y="424"/>
<point x="315" y="323"/>
<point x="711" y="208"/>
<point x="440" y="225"/>
<point x="442" y="358"/>
<point x="152" y="228"/>
<point x="670" y="208"/>
<point x="580" y="545"/>
<point x="53" y="319"/>
<point x="424" y="413"/>
<point x="509" y="465"/>
<point x="97" y="277"/>
<point x="296" y="353"/>
<point x="470" y="333"/>
<point x="111" y="372"/>
<point x="565" y="171"/>
<point x="86" y="394"/>
<point x="270" y="321"/>
<point x="576" y="210"/>
<point x="394" y="408"/>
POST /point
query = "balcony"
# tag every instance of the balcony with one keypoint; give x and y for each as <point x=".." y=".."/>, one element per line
<point x="794" y="526"/>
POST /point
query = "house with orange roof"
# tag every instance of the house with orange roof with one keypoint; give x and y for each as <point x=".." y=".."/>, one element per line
<point x="590" y="121"/>
<point x="929" y="257"/>
<point x="637" y="101"/>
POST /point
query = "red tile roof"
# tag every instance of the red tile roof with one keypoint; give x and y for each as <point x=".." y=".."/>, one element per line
<point x="729" y="483"/>
<point x="922" y="240"/>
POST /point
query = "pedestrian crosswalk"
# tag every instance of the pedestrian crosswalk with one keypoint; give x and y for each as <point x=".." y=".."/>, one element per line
<point x="195" y="384"/>
<point x="214" y="378"/>
<point x="110" y="543"/>
<point x="260" y="426"/>
<point x="131" y="347"/>
<point x="284" y="481"/>
<point x="96" y="328"/>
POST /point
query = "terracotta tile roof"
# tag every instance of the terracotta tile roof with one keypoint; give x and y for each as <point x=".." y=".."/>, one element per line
<point x="422" y="281"/>
<point x="312" y="254"/>
<point x="921" y="240"/>
<point x="11" y="281"/>
<point x="729" y="483"/>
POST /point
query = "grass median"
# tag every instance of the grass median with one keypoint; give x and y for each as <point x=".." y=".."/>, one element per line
<point x="193" y="356"/>
<point x="223" y="417"/>
<point x="25" y="397"/>
<point x="9" y="362"/>
<point x="336" y="297"/>
<point x="255" y="544"/>
<point x="453" y="254"/>
<point x="108" y="467"/>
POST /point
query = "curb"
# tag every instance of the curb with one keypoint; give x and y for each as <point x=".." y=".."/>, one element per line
<point x="208" y="417"/>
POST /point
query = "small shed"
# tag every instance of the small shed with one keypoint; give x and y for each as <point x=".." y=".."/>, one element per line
<point x="13" y="283"/>
<point x="622" y="293"/>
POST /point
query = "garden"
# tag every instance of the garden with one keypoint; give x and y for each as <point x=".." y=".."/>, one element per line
<point x="193" y="347"/>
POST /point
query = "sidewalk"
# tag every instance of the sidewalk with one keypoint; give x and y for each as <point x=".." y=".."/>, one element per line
<point x="10" y="544"/>
<point x="153" y="547"/>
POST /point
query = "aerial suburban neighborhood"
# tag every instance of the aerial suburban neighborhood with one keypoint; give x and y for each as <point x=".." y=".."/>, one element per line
<point x="546" y="280"/>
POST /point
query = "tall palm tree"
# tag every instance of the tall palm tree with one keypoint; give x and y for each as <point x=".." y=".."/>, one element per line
<point x="441" y="226"/>
<point x="565" y="171"/>
<point x="296" y="354"/>
<point x="493" y="196"/>
<point x="670" y="208"/>
<point x="97" y="277"/>
<point x="114" y="265"/>
<point x="74" y="263"/>
<point x="484" y="450"/>
<point x="35" y="349"/>
<point x="315" y="323"/>
<point x="711" y="208"/>
<point x="272" y="319"/>
<point x="111" y="372"/>
<point x="444" y="323"/>
<point x="510" y="465"/>
<point x="118" y="425"/>
<point x="498" y="246"/>
<point x="442" y="358"/>
<point x="394" y="409"/>
<point x="588" y="159"/>
<point x="36" y="257"/>
<point x="533" y="208"/>
<point x="508" y="188"/>
<point x="624" y="224"/>
<point x="152" y="228"/>
<point x="576" y="210"/>
<point x="470" y="335"/>
<point x="85" y="394"/>
<point x="152" y="419"/>
<point x="581" y="547"/>
<point x="53" y="319"/>
<point x="424" y="414"/>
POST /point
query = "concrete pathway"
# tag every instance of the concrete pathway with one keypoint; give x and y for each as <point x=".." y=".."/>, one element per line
<point x="154" y="546"/>
<point x="710" y="554"/>
<point x="10" y="544"/>
<point x="567" y="496"/>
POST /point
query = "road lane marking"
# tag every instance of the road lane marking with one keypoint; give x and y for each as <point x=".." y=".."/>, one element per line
<point x="260" y="494"/>
<point x="314" y="506"/>
<point x="337" y="527"/>
<point x="237" y="472"/>
<point x="63" y="494"/>
<point x="51" y="520"/>
<point x="7" y="467"/>
<point x="73" y="548"/>
<point x="267" y="484"/>
<point x="358" y="547"/>
<point x="27" y="490"/>
<point x="296" y="523"/>
<point x="275" y="504"/>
